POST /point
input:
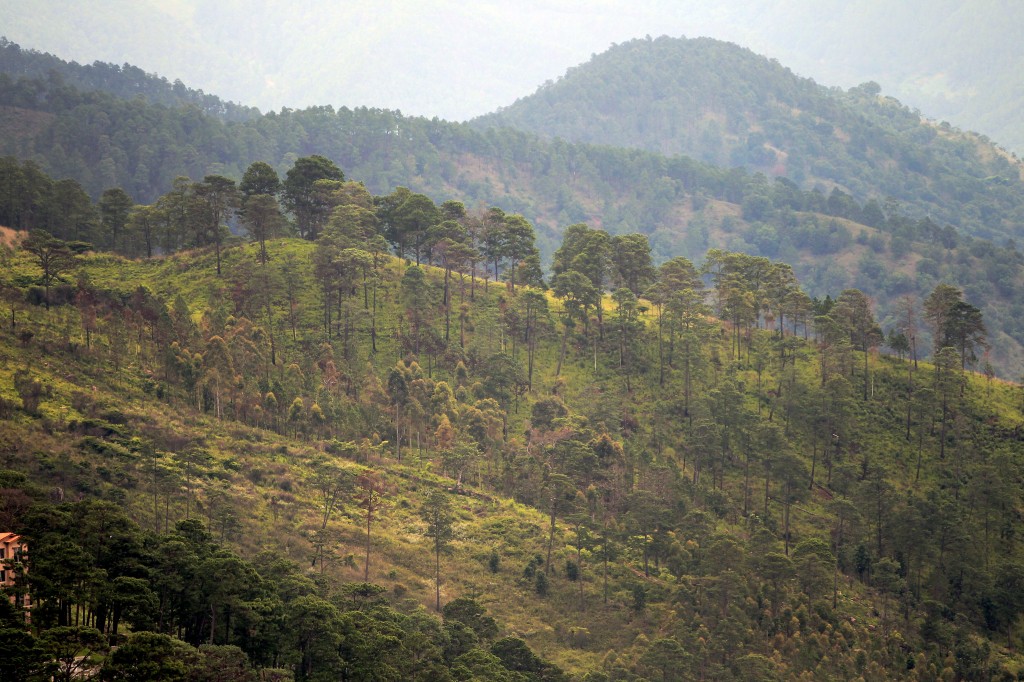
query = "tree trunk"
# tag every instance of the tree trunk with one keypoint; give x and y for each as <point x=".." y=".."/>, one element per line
<point x="814" y="462"/>
<point x="865" y="374"/>
<point x="910" y="397"/>
<point x="369" y="516"/>
<point x="605" y="569"/>
<point x="373" y="318"/>
<point x="437" y="574"/>
<point x="746" y="484"/>
<point x="561" y="354"/>
<point x="686" y="382"/>
<point x="447" y="304"/>
<point x="398" y="433"/>
<point x="551" y="539"/>
<point x="942" y="434"/>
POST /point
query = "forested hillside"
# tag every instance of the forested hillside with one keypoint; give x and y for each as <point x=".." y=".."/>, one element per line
<point x="627" y="485"/>
<point x="126" y="81"/>
<point x="727" y="106"/>
<point x="961" y="65"/>
<point x="888" y="248"/>
<point x="954" y="60"/>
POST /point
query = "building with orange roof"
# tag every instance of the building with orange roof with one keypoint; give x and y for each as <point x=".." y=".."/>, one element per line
<point x="13" y="566"/>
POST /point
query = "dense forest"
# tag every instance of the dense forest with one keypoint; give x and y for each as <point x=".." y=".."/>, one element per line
<point x="125" y="81"/>
<point x="271" y="453"/>
<point x="962" y="63"/>
<point x="727" y="106"/>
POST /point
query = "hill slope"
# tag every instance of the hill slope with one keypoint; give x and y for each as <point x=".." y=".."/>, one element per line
<point x="127" y="81"/>
<point x="720" y="522"/>
<point x="887" y="248"/>
<point x="957" y="61"/>
<point x="961" y="65"/>
<point x="724" y="105"/>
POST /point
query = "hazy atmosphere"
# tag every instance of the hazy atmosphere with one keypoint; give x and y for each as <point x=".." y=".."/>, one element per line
<point x="954" y="60"/>
<point x="582" y="341"/>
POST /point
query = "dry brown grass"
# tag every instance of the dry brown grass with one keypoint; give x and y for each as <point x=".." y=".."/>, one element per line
<point x="10" y="237"/>
<point x="18" y="123"/>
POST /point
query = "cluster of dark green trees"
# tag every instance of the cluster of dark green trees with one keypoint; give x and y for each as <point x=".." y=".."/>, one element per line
<point x="191" y="214"/>
<point x="838" y="138"/>
<point x="197" y="611"/>
<point x="198" y="214"/>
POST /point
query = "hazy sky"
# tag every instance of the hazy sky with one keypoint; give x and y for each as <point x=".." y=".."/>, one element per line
<point x="457" y="59"/>
<point x="448" y="58"/>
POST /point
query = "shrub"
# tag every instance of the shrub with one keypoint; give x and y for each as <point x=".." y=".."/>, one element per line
<point x="639" y="598"/>
<point x="541" y="583"/>
<point x="30" y="390"/>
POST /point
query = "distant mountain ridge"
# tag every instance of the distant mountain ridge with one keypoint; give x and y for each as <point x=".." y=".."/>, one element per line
<point x="125" y="81"/>
<point x="958" y="61"/>
<point x="723" y="104"/>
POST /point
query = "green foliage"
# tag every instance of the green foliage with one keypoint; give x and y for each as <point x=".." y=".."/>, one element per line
<point x="722" y="478"/>
<point x="644" y="87"/>
<point x="302" y="195"/>
<point x="438" y="515"/>
<point x="151" y="656"/>
<point x="639" y="602"/>
<point x="540" y="583"/>
<point x="24" y="658"/>
<point x="472" y="615"/>
<point x="515" y="655"/>
<point x="577" y="467"/>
